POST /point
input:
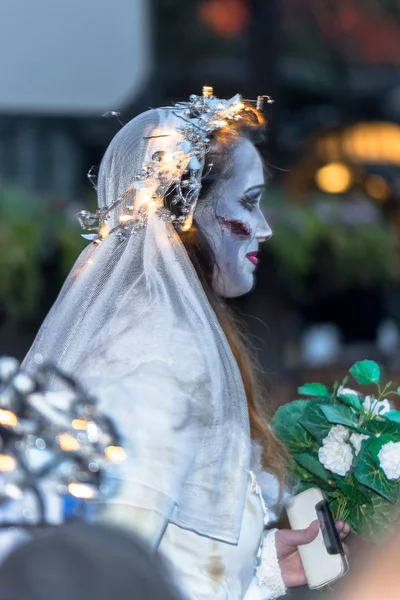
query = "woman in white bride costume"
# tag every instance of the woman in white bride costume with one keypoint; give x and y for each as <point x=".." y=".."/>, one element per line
<point x="142" y="322"/>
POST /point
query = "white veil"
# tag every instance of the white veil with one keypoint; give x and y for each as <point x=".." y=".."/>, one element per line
<point x="132" y="322"/>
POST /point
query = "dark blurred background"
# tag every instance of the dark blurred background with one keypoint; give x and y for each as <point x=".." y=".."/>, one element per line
<point x="328" y="289"/>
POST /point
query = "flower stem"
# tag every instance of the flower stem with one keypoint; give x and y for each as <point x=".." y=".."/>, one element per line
<point x="342" y="512"/>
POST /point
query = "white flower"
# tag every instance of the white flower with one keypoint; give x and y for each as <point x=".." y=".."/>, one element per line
<point x="336" y="457"/>
<point x="389" y="458"/>
<point x="343" y="391"/>
<point x="376" y="407"/>
<point x="356" y="439"/>
<point x="337" y="433"/>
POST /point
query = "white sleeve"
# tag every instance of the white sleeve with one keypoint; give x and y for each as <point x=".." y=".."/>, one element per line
<point x="267" y="583"/>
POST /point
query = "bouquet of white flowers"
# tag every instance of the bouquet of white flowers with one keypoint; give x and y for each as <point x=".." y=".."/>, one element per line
<point x="348" y="444"/>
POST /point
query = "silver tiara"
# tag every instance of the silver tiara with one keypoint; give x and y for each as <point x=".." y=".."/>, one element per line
<point x="180" y="174"/>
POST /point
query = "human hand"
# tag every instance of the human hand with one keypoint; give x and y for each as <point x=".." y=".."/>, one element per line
<point x="287" y="541"/>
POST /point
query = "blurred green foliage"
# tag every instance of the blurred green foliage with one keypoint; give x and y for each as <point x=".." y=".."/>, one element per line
<point x="35" y="230"/>
<point x="32" y="231"/>
<point x="305" y="243"/>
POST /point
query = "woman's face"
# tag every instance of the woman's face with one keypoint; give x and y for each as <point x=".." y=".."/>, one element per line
<point x="235" y="226"/>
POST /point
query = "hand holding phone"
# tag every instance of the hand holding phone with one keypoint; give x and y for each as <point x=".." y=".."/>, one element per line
<point x="323" y="559"/>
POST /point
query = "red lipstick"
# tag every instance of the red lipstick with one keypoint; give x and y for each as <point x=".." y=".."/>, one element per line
<point x="253" y="257"/>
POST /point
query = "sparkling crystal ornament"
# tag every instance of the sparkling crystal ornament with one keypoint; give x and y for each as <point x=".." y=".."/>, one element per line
<point x="51" y="443"/>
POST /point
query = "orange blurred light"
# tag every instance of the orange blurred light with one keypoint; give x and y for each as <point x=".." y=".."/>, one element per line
<point x="334" y="178"/>
<point x="227" y="18"/>
<point x="377" y="187"/>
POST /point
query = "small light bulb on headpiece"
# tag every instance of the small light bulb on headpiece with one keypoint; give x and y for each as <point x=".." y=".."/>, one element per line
<point x="208" y="91"/>
<point x="104" y="231"/>
<point x="262" y="99"/>
<point x="188" y="222"/>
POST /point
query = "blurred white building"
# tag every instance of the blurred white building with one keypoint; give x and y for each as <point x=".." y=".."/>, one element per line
<point x="62" y="65"/>
<point x="72" y="57"/>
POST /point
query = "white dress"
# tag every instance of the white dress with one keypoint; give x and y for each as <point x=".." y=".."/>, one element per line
<point x="208" y="569"/>
<point x="145" y="406"/>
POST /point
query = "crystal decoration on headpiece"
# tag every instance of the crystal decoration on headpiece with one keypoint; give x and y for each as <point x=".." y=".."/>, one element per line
<point x="181" y="172"/>
<point x="58" y="441"/>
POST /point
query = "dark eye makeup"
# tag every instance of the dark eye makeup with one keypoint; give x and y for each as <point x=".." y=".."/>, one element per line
<point x="249" y="203"/>
<point x="250" y="198"/>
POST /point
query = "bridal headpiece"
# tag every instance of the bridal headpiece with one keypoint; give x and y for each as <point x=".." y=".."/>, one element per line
<point x="179" y="168"/>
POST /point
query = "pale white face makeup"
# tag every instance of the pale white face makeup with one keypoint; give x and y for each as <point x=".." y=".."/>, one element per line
<point x="236" y="226"/>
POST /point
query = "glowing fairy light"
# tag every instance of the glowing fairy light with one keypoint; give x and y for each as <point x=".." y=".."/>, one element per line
<point x="7" y="463"/>
<point x="115" y="453"/>
<point x="68" y="443"/>
<point x="187" y="223"/>
<point x="104" y="231"/>
<point x="80" y="424"/>
<point x="8" y="418"/>
<point x="81" y="490"/>
<point x="207" y="91"/>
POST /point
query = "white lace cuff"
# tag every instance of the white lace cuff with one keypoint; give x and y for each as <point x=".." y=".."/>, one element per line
<point x="267" y="583"/>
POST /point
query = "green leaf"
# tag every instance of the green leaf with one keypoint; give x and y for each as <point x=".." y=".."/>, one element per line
<point x="393" y="416"/>
<point x="312" y="464"/>
<point x="301" y="473"/>
<point x="368" y="472"/>
<point x="365" y="491"/>
<point x="340" y="415"/>
<point x="366" y="372"/>
<point x="332" y="494"/>
<point x="350" y="491"/>
<point x="351" y="400"/>
<point x="359" y="515"/>
<point x="303" y="486"/>
<point x="378" y="524"/>
<point x="315" y="390"/>
<point x="315" y="422"/>
<point x="288" y="429"/>
<point x="383" y="427"/>
<point x="398" y="390"/>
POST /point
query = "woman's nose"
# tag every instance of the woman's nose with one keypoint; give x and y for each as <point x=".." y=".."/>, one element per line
<point x="264" y="231"/>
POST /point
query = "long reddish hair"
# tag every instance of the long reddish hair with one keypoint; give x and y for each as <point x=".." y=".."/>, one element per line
<point x="275" y="458"/>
